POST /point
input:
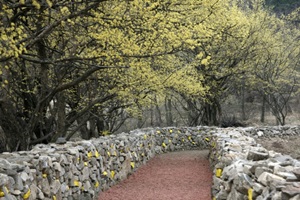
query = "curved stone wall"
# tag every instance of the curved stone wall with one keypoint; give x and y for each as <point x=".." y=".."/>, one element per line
<point x="81" y="169"/>
<point x="245" y="170"/>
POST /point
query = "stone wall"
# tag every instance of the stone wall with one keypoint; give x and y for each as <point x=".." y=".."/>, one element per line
<point x="244" y="169"/>
<point x="81" y="169"/>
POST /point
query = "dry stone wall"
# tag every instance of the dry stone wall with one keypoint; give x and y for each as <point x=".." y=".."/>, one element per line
<point x="81" y="169"/>
<point x="245" y="170"/>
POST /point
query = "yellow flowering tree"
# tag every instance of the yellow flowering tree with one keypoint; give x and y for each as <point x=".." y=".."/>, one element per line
<point x="72" y="62"/>
<point x="85" y="66"/>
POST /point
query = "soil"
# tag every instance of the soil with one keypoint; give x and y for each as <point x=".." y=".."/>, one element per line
<point x="184" y="175"/>
<point x="289" y="145"/>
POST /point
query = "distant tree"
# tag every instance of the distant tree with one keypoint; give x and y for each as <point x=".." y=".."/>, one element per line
<point x="276" y="66"/>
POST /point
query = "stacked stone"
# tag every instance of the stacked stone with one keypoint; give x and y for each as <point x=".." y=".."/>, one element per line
<point x="174" y="139"/>
<point x="272" y="131"/>
<point x="81" y="169"/>
<point x="245" y="170"/>
<point x="72" y="170"/>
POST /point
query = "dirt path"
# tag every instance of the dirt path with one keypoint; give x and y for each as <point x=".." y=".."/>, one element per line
<point x="181" y="175"/>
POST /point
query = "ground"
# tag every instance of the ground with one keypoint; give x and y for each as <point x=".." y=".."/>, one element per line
<point x="183" y="175"/>
<point x="286" y="145"/>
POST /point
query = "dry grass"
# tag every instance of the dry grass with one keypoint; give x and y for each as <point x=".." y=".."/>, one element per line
<point x="289" y="145"/>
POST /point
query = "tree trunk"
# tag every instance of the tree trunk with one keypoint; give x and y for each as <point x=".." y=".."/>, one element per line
<point x="61" y="117"/>
<point x="193" y="116"/>
<point x="243" y="102"/>
<point x="263" y="110"/>
<point x="151" y="116"/>
<point x="140" y="122"/>
<point x="92" y="128"/>
<point x="13" y="128"/>
<point x="169" y="116"/>
<point x="211" y="113"/>
<point x="3" y="141"/>
<point x="158" y="116"/>
<point x="84" y="131"/>
<point x="11" y="122"/>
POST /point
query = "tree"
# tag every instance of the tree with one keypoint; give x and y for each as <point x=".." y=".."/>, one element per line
<point x="86" y="66"/>
<point x="66" y="60"/>
<point x="275" y="66"/>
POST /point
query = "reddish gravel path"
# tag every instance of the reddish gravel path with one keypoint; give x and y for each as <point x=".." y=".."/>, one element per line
<point x="183" y="175"/>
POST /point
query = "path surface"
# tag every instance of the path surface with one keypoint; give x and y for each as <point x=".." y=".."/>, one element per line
<point x="183" y="175"/>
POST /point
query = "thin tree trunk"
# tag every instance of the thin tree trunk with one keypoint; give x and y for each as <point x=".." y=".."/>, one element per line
<point x="169" y="116"/>
<point x="61" y="117"/>
<point x="212" y="113"/>
<point x="158" y="116"/>
<point x="243" y="102"/>
<point x="151" y="116"/>
<point x="263" y="110"/>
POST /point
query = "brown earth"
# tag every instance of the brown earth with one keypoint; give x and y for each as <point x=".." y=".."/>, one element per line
<point x="184" y="175"/>
<point x="289" y="145"/>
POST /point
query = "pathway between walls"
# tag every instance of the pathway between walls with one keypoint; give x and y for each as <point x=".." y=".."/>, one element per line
<point x="183" y="175"/>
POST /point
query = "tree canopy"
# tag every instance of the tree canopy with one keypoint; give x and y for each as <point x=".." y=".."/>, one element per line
<point x="86" y="66"/>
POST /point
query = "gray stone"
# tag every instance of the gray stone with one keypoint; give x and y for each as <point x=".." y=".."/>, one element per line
<point x="260" y="170"/>
<point x="278" y="168"/>
<point x="284" y="160"/>
<point x="257" y="187"/>
<point x="55" y="186"/>
<point x="18" y="183"/>
<point x="296" y="171"/>
<point x="9" y="197"/>
<point x="260" y="133"/>
<point x="85" y="196"/>
<point x="64" y="187"/>
<point x="222" y="194"/>
<point x="33" y="191"/>
<point x="11" y="182"/>
<point x="121" y="159"/>
<point x="24" y="176"/>
<point x="57" y="166"/>
<point x="16" y="192"/>
<point x="277" y="196"/>
<point x="291" y="190"/>
<point x="242" y="183"/>
<point x="256" y="155"/>
<point x="46" y="187"/>
<point x="40" y="194"/>
<point x="235" y="195"/>
<point x="86" y="186"/>
<point x="217" y="182"/>
<point x="10" y="168"/>
<point x="45" y="162"/>
<point x="73" y="151"/>
<point x="287" y="175"/>
<point x="297" y="197"/>
<point x="85" y="174"/>
<point x="61" y="140"/>
<point x="266" y="178"/>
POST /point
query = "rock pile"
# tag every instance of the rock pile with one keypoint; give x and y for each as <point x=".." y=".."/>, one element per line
<point x="245" y="170"/>
<point x="81" y="169"/>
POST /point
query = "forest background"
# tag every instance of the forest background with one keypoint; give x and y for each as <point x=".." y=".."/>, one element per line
<point x="96" y="67"/>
